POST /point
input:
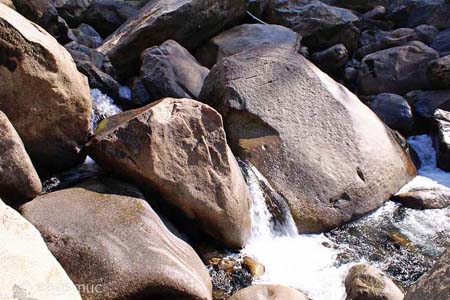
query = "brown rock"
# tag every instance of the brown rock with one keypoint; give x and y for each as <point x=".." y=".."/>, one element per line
<point x="269" y="292"/>
<point x="170" y="70"/>
<point x="254" y="267"/>
<point x="160" y="20"/>
<point x="18" y="178"/>
<point x="42" y="93"/>
<point x="424" y="199"/>
<point x="113" y="245"/>
<point x="435" y="284"/>
<point x="8" y="3"/>
<point x="365" y="282"/>
<point x="178" y="147"/>
<point x="279" y="108"/>
<point x="245" y="37"/>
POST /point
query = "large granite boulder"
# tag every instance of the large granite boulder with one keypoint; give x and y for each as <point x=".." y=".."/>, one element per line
<point x="396" y="70"/>
<point x="365" y="282"/>
<point x="435" y="284"/>
<point x="42" y="93"/>
<point x="320" y="25"/>
<point x="179" y="147"/>
<point x="278" y="109"/>
<point x="244" y="37"/>
<point x="424" y="198"/>
<point x="114" y="246"/>
<point x="170" y="70"/>
<point x="441" y="42"/>
<point x="269" y="292"/>
<point x="439" y="73"/>
<point x="29" y="270"/>
<point x="160" y="20"/>
<point x="395" y="111"/>
<point x="19" y="181"/>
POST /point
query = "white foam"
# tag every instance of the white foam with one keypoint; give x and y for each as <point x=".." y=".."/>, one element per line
<point x="103" y="107"/>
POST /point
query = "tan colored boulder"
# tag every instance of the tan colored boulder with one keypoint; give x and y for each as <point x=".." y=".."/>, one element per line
<point x="28" y="269"/>
<point x="269" y="292"/>
<point x="114" y="246"/>
<point x="8" y="3"/>
<point x="319" y="146"/>
<point x="42" y="93"/>
<point x="178" y="147"/>
<point x="365" y="282"/>
<point x="18" y="178"/>
<point x="189" y="22"/>
<point x="435" y="284"/>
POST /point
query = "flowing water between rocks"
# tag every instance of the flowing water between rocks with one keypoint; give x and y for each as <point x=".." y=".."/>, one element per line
<point x="403" y="242"/>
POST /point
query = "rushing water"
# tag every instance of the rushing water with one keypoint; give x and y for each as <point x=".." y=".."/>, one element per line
<point x="103" y="107"/>
<point x="403" y="242"/>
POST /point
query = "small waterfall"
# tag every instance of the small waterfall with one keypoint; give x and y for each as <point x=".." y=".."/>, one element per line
<point x="103" y="107"/>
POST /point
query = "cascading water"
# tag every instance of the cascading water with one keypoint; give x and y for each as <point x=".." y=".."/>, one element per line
<point x="402" y="242"/>
<point x="103" y="107"/>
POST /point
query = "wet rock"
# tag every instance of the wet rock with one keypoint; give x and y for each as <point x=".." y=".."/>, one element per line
<point x="177" y="146"/>
<point x="435" y="284"/>
<point x="331" y="59"/>
<point x="160" y="20"/>
<point x="244" y="37"/>
<point x="442" y="119"/>
<point x="42" y="93"/>
<point x="254" y="267"/>
<point x="85" y="35"/>
<point x="439" y="73"/>
<point x="19" y="181"/>
<point x="265" y="97"/>
<point x="396" y="70"/>
<point x="441" y="42"/>
<point x="29" y="274"/>
<point x="424" y="103"/>
<point x="228" y="280"/>
<point x="106" y="236"/>
<point x="424" y="199"/>
<point x="395" y="111"/>
<point x="170" y="70"/>
<point x="107" y="15"/>
<point x="375" y="40"/>
<point x="269" y="292"/>
<point x="320" y="25"/>
<point x="365" y="282"/>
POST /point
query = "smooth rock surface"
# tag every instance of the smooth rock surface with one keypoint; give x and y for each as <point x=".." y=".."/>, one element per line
<point x="244" y="37"/>
<point x="19" y="181"/>
<point x="269" y="292"/>
<point x="365" y="282"/>
<point x="396" y="70"/>
<point x="29" y="270"/>
<point x="178" y="147"/>
<point x="279" y="108"/>
<point x="170" y="70"/>
<point x="42" y="93"/>
<point x="111" y="242"/>
<point x="160" y="20"/>
<point x="424" y="103"/>
<point x="435" y="284"/>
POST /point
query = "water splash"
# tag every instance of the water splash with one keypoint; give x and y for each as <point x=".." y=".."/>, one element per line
<point x="103" y="107"/>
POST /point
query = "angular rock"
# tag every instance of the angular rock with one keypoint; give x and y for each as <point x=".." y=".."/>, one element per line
<point x="170" y="71"/>
<point x="85" y="35"/>
<point x="424" y="104"/>
<point x="320" y="25"/>
<point x="19" y="181"/>
<point x="331" y="59"/>
<point x="441" y="42"/>
<point x="178" y="147"/>
<point x="439" y="73"/>
<point x="265" y="97"/>
<point x="160" y="20"/>
<point x="111" y="242"/>
<point x="395" y="111"/>
<point x="107" y="15"/>
<point x="364" y="282"/>
<point x="72" y="11"/>
<point x="426" y="33"/>
<point x="396" y="70"/>
<point x="411" y="13"/>
<point x="42" y="93"/>
<point x="435" y="284"/>
<point x="442" y="119"/>
<point x="29" y="270"/>
<point x="359" y="5"/>
<point x="424" y="199"/>
<point x="269" y="292"/>
<point x="140" y="95"/>
<point x="244" y="37"/>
